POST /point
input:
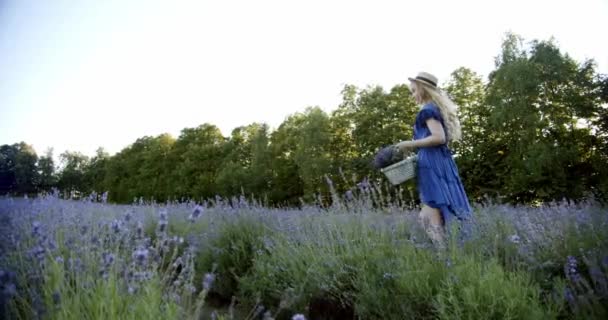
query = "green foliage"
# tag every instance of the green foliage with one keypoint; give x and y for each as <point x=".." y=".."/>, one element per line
<point x="72" y="172"/>
<point x="104" y="299"/>
<point x="312" y="152"/>
<point x="46" y="170"/>
<point x="398" y="283"/>
<point x="231" y="253"/>
<point x="18" y="169"/>
<point x="483" y="290"/>
<point x="538" y="97"/>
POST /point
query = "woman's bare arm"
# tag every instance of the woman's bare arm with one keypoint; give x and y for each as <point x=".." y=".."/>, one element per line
<point x="437" y="137"/>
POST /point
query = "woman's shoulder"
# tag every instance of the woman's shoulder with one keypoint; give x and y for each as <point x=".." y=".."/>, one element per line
<point x="429" y="110"/>
<point x="431" y="105"/>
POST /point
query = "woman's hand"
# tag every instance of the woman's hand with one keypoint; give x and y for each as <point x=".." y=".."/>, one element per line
<point x="404" y="146"/>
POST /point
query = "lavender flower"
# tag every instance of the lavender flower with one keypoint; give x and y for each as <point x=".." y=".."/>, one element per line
<point x="162" y="215"/>
<point x="139" y="230"/>
<point x="349" y="195"/>
<point x="163" y="220"/>
<point x="208" y="281"/>
<point x="514" y="238"/>
<point x="386" y="156"/>
<point x="38" y="252"/>
<point x="195" y="213"/>
<point x="108" y="259"/>
<point x="36" y="228"/>
<point x="141" y="255"/>
<point x="115" y="225"/>
<point x="571" y="268"/>
<point x="298" y="316"/>
<point x="75" y="265"/>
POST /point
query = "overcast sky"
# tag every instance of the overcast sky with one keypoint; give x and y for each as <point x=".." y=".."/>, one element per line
<point x="77" y="75"/>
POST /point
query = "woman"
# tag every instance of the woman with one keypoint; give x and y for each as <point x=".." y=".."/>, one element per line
<point x="441" y="191"/>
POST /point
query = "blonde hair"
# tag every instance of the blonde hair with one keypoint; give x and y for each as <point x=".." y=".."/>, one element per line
<point x="447" y="108"/>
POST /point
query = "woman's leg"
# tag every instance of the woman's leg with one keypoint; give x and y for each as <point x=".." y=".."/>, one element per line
<point x="433" y="224"/>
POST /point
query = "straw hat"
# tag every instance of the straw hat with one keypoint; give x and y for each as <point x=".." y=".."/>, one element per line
<point x="426" y="78"/>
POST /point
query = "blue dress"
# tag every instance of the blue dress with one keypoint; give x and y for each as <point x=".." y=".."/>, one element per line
<point x="438" y="179"/>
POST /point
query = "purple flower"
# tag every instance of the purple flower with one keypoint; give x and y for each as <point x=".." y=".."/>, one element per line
<point x="141" y="255"/>
<point x="139" y="231"/>
<point x="162" y="225"/>
<point x="387" y="156"/>
<point x="162" y="215"/>
<point x="514" y="238"/>
<point x="36" y="228"/>
<point x="208" y="281"/>
<point x="571" y="268"/>
<point x="115" y="226"/>
<point x="75" y="265"/>
<point x="38" y="252"/>
<point x="108" y="258"/>
<point x="349" y="195"/>
<point x="298" y="316"/>
<point x="195" y="213"/>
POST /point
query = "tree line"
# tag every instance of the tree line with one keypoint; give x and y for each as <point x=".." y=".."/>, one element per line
<point x="535" y="130"/>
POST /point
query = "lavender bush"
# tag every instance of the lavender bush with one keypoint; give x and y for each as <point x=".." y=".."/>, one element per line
<point x="363" y="257"/>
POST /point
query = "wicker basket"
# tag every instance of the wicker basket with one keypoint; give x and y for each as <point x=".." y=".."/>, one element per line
<point x="401" y="171"/>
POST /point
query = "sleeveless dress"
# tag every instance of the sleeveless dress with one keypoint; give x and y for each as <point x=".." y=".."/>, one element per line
<point x="438" y="180"/>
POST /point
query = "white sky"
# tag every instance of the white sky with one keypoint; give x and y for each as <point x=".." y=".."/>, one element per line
<point x="81" y="74"/>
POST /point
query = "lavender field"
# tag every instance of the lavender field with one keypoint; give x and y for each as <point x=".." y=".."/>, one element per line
<point x="233" y="259"/>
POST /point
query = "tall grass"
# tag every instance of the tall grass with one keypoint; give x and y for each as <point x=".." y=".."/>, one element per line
<point x="362" y="258"/>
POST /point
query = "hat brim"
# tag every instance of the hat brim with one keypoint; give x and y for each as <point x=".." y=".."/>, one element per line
<point x="422" y="82"/>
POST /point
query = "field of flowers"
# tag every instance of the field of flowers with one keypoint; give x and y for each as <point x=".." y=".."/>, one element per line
<point x="234" y="259"/>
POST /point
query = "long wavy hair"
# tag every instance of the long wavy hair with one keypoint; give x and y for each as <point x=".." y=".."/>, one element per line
<point x="447" y="107"/>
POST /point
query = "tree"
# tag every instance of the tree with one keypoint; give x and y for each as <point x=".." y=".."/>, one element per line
<point x="26" y="172"/>
<point x="197" y="158"/>
<point x="538" y="97"/>
<point x="312" y="150"/>
<point x="287" y="187"/>
<point x="73" y="165"/>
<point x="8" y="182"/>
<point x="96" y="171"/>
<point x="247" y="164"/>
<point x="475" y="163"/>
<point x="46" y="171"/>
